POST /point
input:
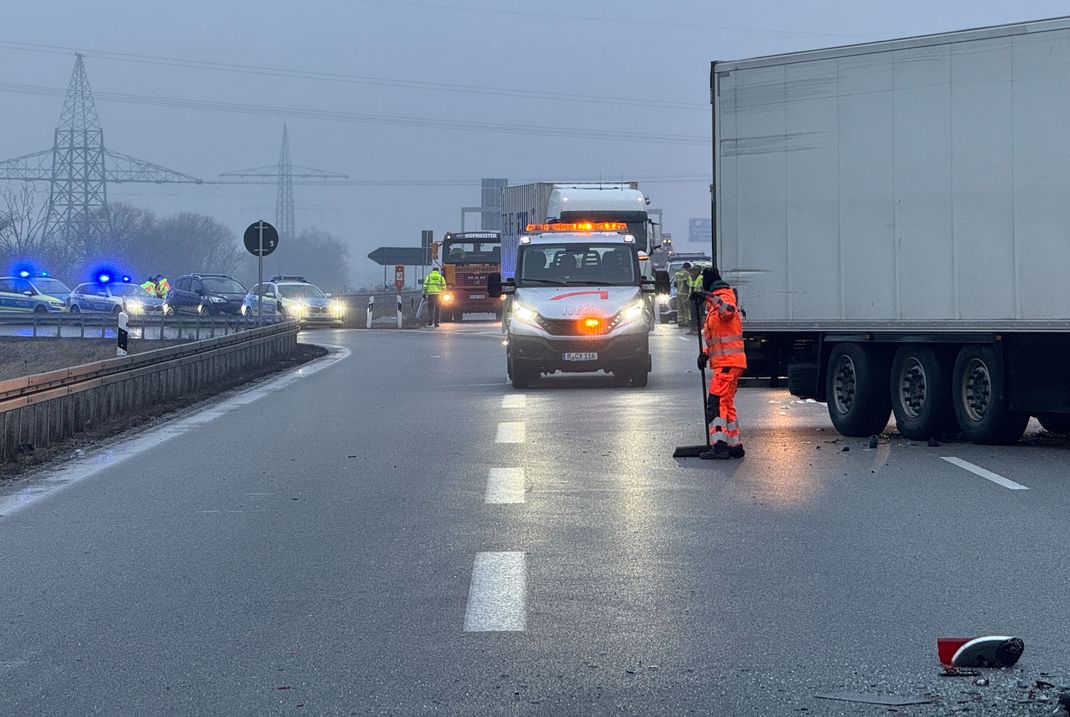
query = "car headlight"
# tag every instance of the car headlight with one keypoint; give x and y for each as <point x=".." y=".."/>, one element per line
<point x="135" y="307"/>
<point x="524" y="314"/>
<point x="634" y="311"/>
<point x="298" y="309"/>
<point x="217" y="300"/>
<point x="338" y="308"/>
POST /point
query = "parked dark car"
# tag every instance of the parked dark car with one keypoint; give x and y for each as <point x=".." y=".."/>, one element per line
<point x="205" y="294"/>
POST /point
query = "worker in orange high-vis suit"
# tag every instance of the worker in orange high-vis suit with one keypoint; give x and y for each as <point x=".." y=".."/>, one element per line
<point x="723" y="333"/>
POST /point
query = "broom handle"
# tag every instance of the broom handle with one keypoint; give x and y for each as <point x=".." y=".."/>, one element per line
<point x="699" y="308"/>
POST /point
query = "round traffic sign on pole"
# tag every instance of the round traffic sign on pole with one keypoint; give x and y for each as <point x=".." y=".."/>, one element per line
<point x="261" y="238"/>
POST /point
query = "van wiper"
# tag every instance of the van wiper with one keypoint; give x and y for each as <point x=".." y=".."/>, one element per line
<point x="593" y="283"/>
<point x="551" y="282"/>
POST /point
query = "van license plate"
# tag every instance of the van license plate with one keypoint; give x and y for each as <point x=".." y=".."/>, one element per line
<point x="473" y="297"/>
<point x="580" y="356"/>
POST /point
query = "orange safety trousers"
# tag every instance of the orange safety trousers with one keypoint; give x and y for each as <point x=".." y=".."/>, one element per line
<point x="721" y="406"/>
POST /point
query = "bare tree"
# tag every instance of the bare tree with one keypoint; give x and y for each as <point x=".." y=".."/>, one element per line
<point x="22" y="222"/>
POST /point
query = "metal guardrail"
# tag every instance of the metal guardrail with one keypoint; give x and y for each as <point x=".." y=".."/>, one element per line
<point x="40" y="409"/>
<point x="84" y="325"/>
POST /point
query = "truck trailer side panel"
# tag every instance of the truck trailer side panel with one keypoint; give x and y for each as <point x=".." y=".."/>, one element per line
<point x="924" y="180"/>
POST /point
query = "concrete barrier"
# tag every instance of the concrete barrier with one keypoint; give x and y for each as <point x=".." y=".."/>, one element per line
<point x="40" y="410"/>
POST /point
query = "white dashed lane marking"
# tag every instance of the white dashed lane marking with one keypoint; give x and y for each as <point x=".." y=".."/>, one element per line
<point x="505" y="485"/>
<point x="514" y="400"/>
<point x="510" y="432"/>
<point x="497" y="596"/>
<point x="986" y="474"/>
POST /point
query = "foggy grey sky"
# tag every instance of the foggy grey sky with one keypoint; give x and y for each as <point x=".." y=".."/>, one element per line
<point x="654" y="52"/>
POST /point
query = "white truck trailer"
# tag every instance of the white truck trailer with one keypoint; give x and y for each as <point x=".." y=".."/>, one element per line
<point x="896" y="216"/>
<point x="541" y="202"/>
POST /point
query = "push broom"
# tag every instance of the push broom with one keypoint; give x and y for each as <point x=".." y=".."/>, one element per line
<point x="694" y="451"/>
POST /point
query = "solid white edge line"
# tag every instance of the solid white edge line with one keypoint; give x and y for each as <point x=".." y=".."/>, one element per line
<point x="97" y="461"/>
<point x="684" y="338"/>
<point x="504" y="485"/>
<point x="986" y="474"/>
<point x="497" y="595"/>
<point x="510" y="432"/>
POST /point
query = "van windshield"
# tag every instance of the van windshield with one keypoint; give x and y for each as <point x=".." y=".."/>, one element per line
<point x="578" y="264"/>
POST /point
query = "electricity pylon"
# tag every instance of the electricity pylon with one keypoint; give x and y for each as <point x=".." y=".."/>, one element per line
<point x="79" y="167"/>
<point x="284" y="173"/>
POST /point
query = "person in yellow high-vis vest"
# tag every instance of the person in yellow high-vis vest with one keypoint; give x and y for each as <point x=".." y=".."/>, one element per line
<point x="434" y="286"/>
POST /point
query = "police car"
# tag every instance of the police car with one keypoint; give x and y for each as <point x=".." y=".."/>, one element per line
<point x="579" y="303"/>
<point x="33" y="292"/>
<point x="110" y="297"/>
<point x="293" y="297"/>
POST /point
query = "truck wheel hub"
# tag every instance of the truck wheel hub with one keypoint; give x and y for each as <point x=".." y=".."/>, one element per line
<point x="843" y="390"/>
<point x="912" y="388"/>
<point x="977" y="390"/>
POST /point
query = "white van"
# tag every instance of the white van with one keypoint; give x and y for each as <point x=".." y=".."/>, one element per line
<point x="577" y="303"/>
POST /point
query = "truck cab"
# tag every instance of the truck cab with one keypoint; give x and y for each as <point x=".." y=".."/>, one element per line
<point x="578" y="303"/>
<point x="468" y="258"/>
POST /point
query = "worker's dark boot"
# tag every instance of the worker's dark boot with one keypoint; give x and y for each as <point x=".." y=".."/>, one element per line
<point x="718" y="452"/>
<point x="736" y="452"/>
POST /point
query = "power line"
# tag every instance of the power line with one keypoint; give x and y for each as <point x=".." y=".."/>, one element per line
<point x="365" y="118"/>
<point x="609" y="19"/>
<point x="268" y="71"/>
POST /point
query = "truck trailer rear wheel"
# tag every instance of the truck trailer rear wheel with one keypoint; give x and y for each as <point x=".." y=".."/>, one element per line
<point x="857" y="388"/>
<point x="921" y="393"/>
<point x="980" y="398"/>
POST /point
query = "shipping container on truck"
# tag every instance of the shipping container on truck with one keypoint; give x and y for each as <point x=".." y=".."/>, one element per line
<point x="896" y="216"/>
<point x="541" y="202"/>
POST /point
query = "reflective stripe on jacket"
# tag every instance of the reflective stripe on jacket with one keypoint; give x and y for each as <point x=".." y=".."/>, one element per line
<point x="723" y="330"/>
<point x="150" y="287"/>
<point x="434" y="283"/>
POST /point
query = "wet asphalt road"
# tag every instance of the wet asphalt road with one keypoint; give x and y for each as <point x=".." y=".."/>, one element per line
<point x="327" y="546"/>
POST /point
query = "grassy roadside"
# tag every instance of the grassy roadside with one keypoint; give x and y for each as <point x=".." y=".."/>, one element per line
<point x="148" y="417"/>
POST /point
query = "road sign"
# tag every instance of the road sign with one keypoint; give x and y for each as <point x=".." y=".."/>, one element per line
<point x="260" y="239"/>
<point x="393" y="255"/>
<point x="253" y="238"/>
<point x="700" y="231"/>
<point x="399" y="277"/>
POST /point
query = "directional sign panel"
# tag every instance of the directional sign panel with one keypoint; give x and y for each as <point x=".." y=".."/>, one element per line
<point x="408" y="255"/>
<point x="252" y="238"/>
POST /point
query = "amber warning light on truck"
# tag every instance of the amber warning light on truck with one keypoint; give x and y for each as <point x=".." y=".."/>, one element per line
<point x="579" y="227"/>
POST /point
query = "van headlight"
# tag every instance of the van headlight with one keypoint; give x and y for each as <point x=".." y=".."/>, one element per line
<point x="634" y="311"/>
<point x="523" y="313"/>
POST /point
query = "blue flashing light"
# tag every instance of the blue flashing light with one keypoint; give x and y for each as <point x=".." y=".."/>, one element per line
<point x="104" y="278"/>
<point x="126" y="279"/>
<point x="44" y="274"/>
<point x="24" y="274"/>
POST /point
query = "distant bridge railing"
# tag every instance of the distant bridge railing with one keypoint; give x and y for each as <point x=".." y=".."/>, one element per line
<point x="85" y="325"/>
